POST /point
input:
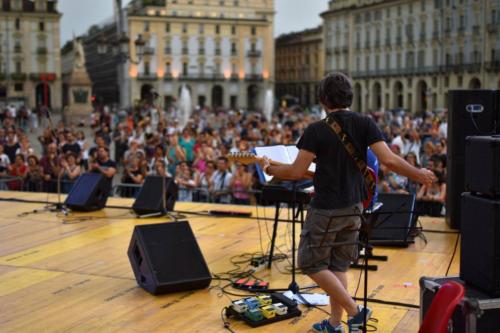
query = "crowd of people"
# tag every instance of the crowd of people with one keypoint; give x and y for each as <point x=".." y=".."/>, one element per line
<point x="128" y="146"/>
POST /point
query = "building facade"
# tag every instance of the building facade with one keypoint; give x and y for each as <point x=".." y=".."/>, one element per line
<point x="30" y="62"/>
<point x="409" y="53"/>
<point x="102" y="69"/>
<point x="299" y="65"/>
<point x="222" y="50"/>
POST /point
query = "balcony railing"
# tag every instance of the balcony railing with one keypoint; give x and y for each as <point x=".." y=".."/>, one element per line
<point x="253" y="77"/>
<point x="406" y="71"/>
<point x="492" y="27"/>
<point x="148" y="50"/>
<point x="185" y="50"/>
<point x="217" y="52"/>
<point x="387" y="42"/>
<point x="423" y="37"/>
<point x="472" y="67"/>
<point x="201" y="51"/>
<point x="147" y="76"/>
<point x="492" y="65"/>
<point x="18" y="76"/>
<point x="168" y="50"/>
<point x="41" y="50"/>
<point x="18" y="49"/>
<point x="254" y="53"/>
<point x="476" y="30"/>
<point x="156" y="3"/>
<point x="43" y="76"/>
<point x="435" y="35"/>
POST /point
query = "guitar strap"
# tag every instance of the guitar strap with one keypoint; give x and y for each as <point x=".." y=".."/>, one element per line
<point x="353" y="151"/>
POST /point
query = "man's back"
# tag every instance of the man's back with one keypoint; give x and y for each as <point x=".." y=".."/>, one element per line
<point x="341" y="183"/>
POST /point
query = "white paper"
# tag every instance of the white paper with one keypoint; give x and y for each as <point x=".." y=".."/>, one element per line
<point x="275" y="153"/>
<point x="282" y="154"/>
<point x="313" y="299"/>
<point x="293" y="152"/>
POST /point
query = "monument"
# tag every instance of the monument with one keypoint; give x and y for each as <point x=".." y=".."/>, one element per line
<point x="77" y="86"/>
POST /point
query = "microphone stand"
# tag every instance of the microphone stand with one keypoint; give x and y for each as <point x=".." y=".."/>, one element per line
<point x="57" y="207"/>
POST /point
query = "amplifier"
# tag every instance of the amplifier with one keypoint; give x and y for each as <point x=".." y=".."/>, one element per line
<point x="482" y="164"/>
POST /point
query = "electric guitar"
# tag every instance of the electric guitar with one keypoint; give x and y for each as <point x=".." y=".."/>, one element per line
<point x="247" y="158"/>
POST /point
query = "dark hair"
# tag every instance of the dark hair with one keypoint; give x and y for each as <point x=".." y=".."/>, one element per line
<point x="335" y="91"/>
<point x="223" y="158"/>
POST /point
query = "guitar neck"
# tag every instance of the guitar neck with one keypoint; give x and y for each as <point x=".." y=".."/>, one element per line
<point x="256" y="159"/>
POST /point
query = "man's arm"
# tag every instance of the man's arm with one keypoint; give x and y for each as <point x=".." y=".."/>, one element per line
<point x="399" y="165"/>
<point x="108" y="172"/>
<point x="296" y="170"/>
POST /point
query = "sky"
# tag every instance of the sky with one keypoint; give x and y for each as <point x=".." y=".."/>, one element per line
<point x="291" y="15"/>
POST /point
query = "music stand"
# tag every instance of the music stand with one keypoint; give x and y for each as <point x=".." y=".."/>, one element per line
<point x="369" y="251"/>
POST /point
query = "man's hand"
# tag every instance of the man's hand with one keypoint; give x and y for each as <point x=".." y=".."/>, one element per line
<point x="426" y="177"/>
<point x="264" y="163"/>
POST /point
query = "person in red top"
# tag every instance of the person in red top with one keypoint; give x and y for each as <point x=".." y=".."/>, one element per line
<point x="17" y="169"/>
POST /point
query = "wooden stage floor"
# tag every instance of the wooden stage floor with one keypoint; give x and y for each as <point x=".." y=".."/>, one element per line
<point x="72" y="274"/>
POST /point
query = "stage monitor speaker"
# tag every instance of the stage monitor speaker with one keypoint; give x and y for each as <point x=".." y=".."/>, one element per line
<point x="395" y="221"/>
<point x="470" y="112"/>
<point x="149" y="200"/>
<point x="480" y="252"/>
<point x="89" y="193"/>
<point x="166" y="258"/>
<point x="482" y="164"/>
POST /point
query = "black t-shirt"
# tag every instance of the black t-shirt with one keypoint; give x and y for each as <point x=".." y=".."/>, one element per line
<point x="108" y="164"/>
<point x="10" y="150"/>
<point x="71" y="147"/>
<point x="338" y="183"/>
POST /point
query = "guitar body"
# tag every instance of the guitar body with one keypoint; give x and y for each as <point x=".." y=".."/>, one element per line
<point x="371" y="192"/>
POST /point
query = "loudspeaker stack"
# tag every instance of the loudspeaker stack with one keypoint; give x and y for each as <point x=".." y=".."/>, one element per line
<point x="480" y="253"/>
<point x="470" y="112"/>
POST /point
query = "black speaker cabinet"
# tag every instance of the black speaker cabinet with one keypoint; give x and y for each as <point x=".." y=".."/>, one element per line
<point x="470" y="112"/>
<point x="395" y="221"/>
<point x="480" y="252"/>
<point x="482" y="164"/>
<point x="149" y="200"/>
<point x="166" y="258"/>
<point x="89" y="193"/>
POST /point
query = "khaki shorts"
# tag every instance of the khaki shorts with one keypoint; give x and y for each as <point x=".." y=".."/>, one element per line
<point x="322" y="229"/>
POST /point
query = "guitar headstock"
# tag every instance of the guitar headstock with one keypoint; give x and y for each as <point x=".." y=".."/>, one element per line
<point x="243" y="157"/>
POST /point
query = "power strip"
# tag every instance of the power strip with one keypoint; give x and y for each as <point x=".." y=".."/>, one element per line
<point x="259" y="264"/>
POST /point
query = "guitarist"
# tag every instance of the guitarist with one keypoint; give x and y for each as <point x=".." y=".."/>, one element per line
<point x="339" y="190"/>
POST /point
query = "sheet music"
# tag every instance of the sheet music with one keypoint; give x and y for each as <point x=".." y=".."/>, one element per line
<point x="280" y="153"/>
<point x="276" y="153"/>
<point x="293" y="151"/>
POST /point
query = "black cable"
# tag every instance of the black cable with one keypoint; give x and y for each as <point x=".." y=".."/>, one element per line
<point x="225" y="323"/>
<point x="360" y="275"/>
<point x="379" y="301"/>
<point x="453" y="255"/>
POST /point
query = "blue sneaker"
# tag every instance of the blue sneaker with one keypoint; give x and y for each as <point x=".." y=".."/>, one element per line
<point x="355" y="324"/>
<point x="325" y="327"/>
